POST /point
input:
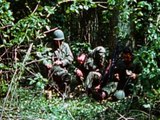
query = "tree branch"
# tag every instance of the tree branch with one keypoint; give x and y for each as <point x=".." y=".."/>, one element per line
<point x="102" y="6"/>
<point x="53" y="29"/>
<point x="36" y="8"/>
<point x="3" y="27"/>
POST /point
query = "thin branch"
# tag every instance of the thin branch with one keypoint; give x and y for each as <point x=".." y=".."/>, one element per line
<point x="121" y="116"/>
<point x="140" y="111"/>
<point x="102" y="6"/>
<point x="16" y="77"/>
<point x="36" y="8"/>
<point x="48" y="31"/>
<point x="4" y="53"/>
<point x="15" y="55"/>
<point x="158" y="19"/>
<point x="3" y="27"/>
<point x="8" y="92"/>
<point x="34" y="61"/>
<point x="70" y="114"/>
<point x="65" y="1"/>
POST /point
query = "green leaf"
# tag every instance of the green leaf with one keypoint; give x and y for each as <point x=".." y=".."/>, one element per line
<point x="140" y="13"/>
<point x="6" y="6"/>
<point x="80" y="7"/>
<point x="2" y="65"/>
<point x="32" y="81"/>
<point x="86" y="7"/>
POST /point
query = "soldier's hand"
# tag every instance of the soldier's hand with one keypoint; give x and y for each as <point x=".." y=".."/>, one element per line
<point x="129" y="72"/>
<point x="49" y="66"/>
<point x="117" y="76"/>
<point x="97" y="87"/>
<point x="58" y="62"/>
<point x="97" y="70"/>
<point x="79" y="73"/>
<point x="133" y="76"/>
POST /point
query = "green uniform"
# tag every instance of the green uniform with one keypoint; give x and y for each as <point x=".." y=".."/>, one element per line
<point x="94" y="64"/>
<point x="58" y="62"/>
<point x="64" y="54"/>
<point x="59" y="73"/>
<point x="110" y="88"/>
<point x="94" y="78"/>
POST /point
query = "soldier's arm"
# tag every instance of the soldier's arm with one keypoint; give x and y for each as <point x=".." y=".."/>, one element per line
<point x="48" y="63"/>
<point x="69" y="56"/>
<point x="46" y="60"/>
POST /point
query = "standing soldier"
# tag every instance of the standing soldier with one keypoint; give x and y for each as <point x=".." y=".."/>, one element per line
<point x="61" y="59"/>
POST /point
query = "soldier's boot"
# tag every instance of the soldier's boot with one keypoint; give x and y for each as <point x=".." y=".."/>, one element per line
<point x="48" y="94"/>
<point x="66" y="91"/>
<point x="67" y="88"/>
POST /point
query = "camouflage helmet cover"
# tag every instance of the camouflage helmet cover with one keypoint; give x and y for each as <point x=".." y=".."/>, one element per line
<point x="58" y="35"/>
<point x="98" y="51"/>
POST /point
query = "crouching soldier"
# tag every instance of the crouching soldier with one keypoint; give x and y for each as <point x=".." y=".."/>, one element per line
<point x="91" y="61"/>
<point x="61" y="59"/>
<point x="95" y="65"/>
<point x="126" y="74"/>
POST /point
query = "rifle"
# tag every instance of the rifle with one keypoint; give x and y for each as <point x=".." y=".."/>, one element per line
<point x="108" y="72"/>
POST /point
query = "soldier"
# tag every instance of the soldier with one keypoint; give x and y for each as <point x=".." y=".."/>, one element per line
<point x="125" y="73"/>
<point x="95" y="64"/>
<point x="96" y="87"/>
<point x="81" y="71"/>
<point x="93" y="61"/>
<point x="61" y="59"/>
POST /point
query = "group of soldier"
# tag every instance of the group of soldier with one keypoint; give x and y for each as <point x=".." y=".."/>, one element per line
<point x="91" y="71"/>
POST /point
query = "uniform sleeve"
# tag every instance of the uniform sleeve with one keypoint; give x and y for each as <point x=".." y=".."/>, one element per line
<point x="89" y="64"/>
<point x="68" y="57"/>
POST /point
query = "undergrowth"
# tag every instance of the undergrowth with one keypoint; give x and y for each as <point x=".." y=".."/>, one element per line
<point x="32" y="105"/>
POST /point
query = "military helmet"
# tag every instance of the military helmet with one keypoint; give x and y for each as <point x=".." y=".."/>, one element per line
<point x="100" y="49"/>
<point x="58" y="35"/>
<point x="97" y="51"/>
<point x="119" y="94"/>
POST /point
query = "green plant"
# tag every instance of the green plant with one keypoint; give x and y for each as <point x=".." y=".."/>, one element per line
<point x="82" y="21"/>
<point x="39" y="81"/>
<point x="78" y="6"/>
<point x="78" y="48"/>
<point x="3" y="88"/>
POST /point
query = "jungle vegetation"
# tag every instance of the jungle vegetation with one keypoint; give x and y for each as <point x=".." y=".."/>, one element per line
<point x="24" y="26"/>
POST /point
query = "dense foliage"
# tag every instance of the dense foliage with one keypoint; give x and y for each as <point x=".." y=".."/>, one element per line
<point x="86" y="24"/>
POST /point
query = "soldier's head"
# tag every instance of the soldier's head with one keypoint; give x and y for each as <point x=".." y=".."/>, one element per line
<point x="58" y="36"/>
<point x="99" y="54"/>
<point x="81" y="58"/>
<point x="127" y="55"/>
